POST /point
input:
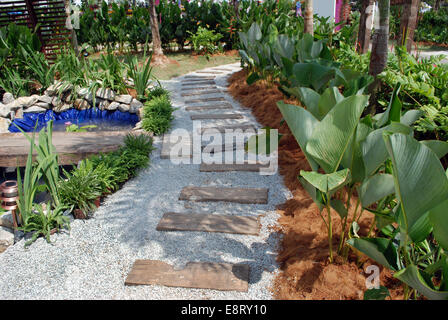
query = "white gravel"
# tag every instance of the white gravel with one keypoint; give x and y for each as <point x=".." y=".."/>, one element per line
<point x="92" y="260"/>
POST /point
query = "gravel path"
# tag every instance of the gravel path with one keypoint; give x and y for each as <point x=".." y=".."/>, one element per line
<point x="92" y="260"/>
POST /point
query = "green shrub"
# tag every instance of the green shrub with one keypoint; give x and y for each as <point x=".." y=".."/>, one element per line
<point x="81" y="187"/>
<point x="205" y="41"/>
<point x="157" y="115"/>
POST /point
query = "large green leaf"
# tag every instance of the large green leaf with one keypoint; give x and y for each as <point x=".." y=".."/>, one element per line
<point x="329" y="98"/>
<point x="420" y="180"/>
<point x="332" y="136"/>
<point x="440" y="148"/>
<point x="393" y="111"/>
<point x="376" y="188"/>
<point x="411" y="116"/>
<point x="415" y="278"/>
<point x="312" y="75"/>
<point x="373" y="148"/>
<point x="254" y="33"/>
<point x="381" y="250"/>
<point x="313" y="192"/>
<point x="301" y="123"/>
<point x="327" y="183"/>
<point x="309" y="98"/>
<point x="438" y="217"/>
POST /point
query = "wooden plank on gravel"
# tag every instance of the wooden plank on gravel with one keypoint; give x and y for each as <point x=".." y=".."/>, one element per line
<point x="199" y="77"/>
<point x="222" y="129"/>
<point x="198" y="82"/>
<point x="172" y="221"/>
<point x="209" y="72"/>
<point x="214" y="167"/>
<point x="199" y="88"/>
<point x="200" y="93"/>
<point x="216" y="116"/>
<point x="200" y="100"/>
<point x="212" y="107"/>
<point x="201" y="275"/>
<point x="238" y="195"/>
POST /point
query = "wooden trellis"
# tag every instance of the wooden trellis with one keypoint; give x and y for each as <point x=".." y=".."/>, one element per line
<point x="48" y="16"/>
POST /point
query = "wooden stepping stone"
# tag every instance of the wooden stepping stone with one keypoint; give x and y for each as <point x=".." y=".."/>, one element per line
<point x="201" y="275"/>
<point x="213" y="167"/>
<point x="222" y="129"/>
<point x="192" y="77"/>
<point x="172" y="221"/>
<point x="188" y="94"/>
<point x="216" y="106"/>
<point x="238" y="195"/>
<point x="216" y="116"/>
<point x="197" y="79"/>
<point x="199" y="88"/>
<point x="199" y="82"/>
<point x="210" y="72"/>
<point x="206" y="100"/>
<point x="223" y="69"/>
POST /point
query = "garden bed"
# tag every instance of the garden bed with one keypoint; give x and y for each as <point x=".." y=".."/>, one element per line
<point x="303" y="256"/>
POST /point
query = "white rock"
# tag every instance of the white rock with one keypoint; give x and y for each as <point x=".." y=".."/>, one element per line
<point x="6" y="220"/>
<point x="135" y="105"/>
<point x="103" y="105"/>
<point x="45" y="99"/>
<point x="62" y="108"/>
<point x="7" y="98"/>
<point x="56" y="102"/>
<point x="81" y="104"/>
<point x="4" y="125"/>
<point x="16" y="104"/>
<point x="28" y="101"/>
<point x="34" y="109"/>
<point x="4" y="111"/>
<point x="6" y="238"/>
<point x="138" y="126"/>
<point x="140" y="113"/>
<point x="105" y="93"/>
<point x="123" y="107"/>
<point x="18" y="114"/>
<point x="123" y="98"/>
<point x="113" y="106"/>
<point x="42" y="104"/>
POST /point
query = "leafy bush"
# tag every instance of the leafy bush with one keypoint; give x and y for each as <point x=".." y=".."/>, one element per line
<point x="157" y="115"/>
<point x="80" y="188"/>
<point x="205" y="41"/>
<point x="43" y="223"/>
<point x="432" y="26"/>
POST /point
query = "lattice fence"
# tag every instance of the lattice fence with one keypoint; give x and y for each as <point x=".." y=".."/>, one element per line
<point x="48" y="15"/>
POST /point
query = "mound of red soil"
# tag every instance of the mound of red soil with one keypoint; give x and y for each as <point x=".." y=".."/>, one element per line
<point x="303" y="255"/>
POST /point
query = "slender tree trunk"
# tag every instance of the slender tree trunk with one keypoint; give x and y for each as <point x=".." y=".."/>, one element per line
<point x="309" y="21"/>
<point x="235" y="7"/>
<point x="437" y="5"/>
<point x="365" y="26"/>
<point x="378" y="58"/>
<point x="408" y="23"/>
<point x="158" y="58"/>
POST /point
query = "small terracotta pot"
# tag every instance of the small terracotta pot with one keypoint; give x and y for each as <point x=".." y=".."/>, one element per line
<point x="79" y="214"/>
<point x="97" y="202"/>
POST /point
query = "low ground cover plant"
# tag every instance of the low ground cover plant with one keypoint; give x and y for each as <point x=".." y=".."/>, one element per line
<point x="205" y="41"/>
<point x="157" y="113"/>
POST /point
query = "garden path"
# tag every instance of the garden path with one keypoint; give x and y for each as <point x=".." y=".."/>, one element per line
<point x="94" y="259"/>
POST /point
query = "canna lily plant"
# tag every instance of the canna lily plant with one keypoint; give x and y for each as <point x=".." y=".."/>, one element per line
<point x="400" y="180"/>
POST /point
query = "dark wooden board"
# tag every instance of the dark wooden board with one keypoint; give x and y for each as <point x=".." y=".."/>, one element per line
<point x="238" y="195"/>
<point x="172" y="221"/>
<point x="201" y="275"/>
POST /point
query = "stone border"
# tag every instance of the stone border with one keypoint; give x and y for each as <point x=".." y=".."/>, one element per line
<point x="61" y="97"/>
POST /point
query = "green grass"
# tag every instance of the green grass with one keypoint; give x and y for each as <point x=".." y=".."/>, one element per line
<point x="184" y="63"/>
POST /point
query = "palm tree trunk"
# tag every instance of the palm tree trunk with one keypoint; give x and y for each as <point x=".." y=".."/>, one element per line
<point x="158" y="58"/>
<point x="408" y="23"/>
<point x="378" y="58"/>
<point x="309" y="21"/>
<point x="365" y="26"/>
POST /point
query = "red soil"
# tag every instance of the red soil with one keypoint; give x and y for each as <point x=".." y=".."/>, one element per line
<point x="303" y="256"/>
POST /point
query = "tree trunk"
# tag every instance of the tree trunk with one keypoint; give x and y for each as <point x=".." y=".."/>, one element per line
<point x="365" y="26"/>
<point x="158" y="58"/>
<point x="309" y="21"/>
<point x="236" y="5"/>
<point x="378" y="58"/>
<point x="408" y="23"/>
<point x="437" y="5"/>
